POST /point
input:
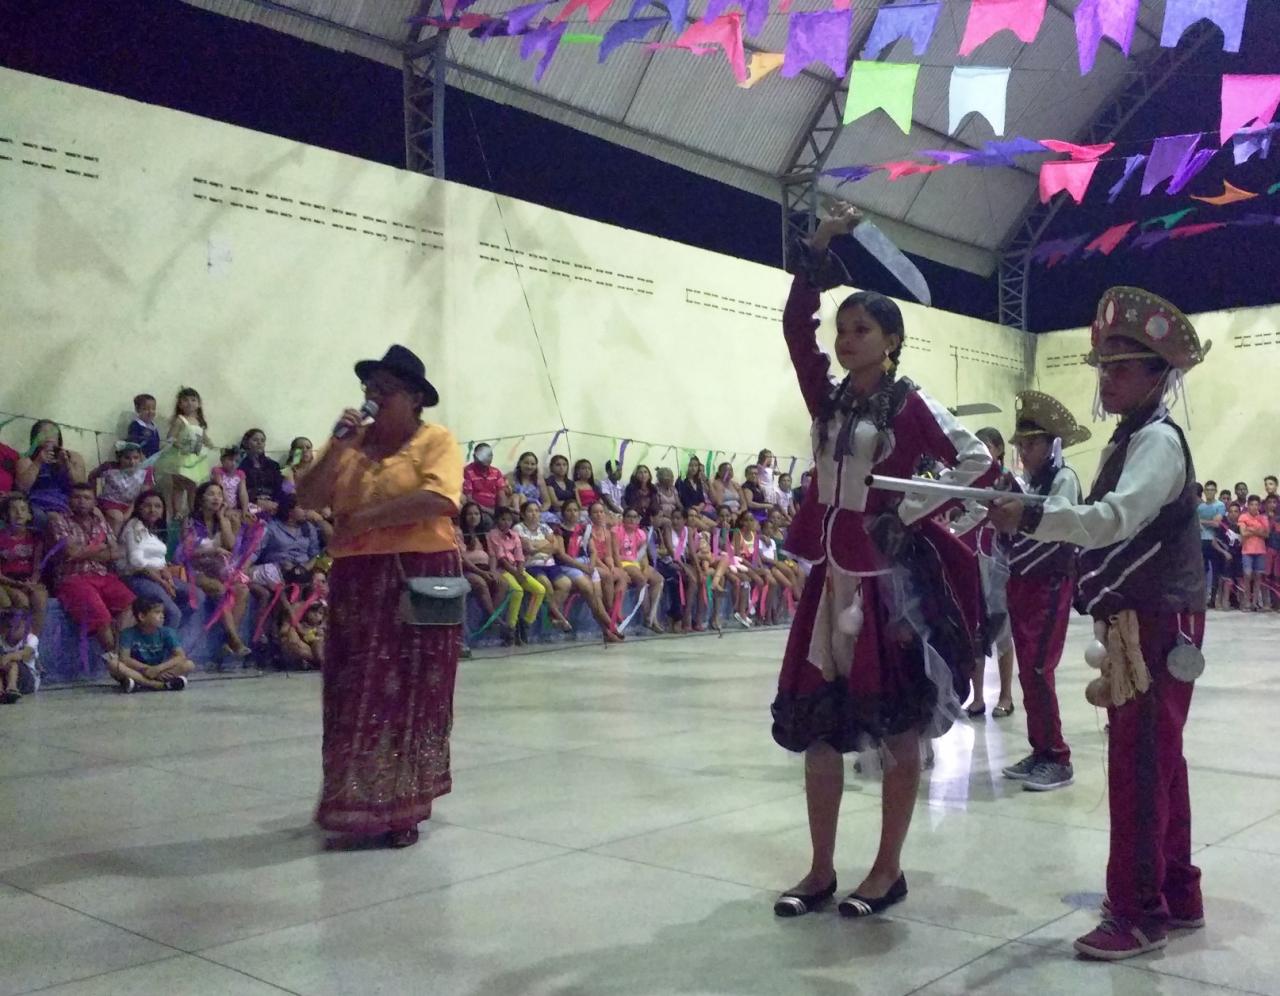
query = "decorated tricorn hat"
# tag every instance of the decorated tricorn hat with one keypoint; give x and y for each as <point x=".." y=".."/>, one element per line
<point x="1038" y="414"/>
<point x="1158" y="327"/>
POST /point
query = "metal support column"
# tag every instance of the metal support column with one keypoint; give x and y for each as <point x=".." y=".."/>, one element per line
<point x="424" y="88"/>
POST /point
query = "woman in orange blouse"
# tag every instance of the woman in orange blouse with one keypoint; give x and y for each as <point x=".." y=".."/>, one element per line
<point x="394" y="487"/>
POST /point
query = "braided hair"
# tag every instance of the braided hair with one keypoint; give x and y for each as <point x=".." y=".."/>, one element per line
<point x="883" y="403"/>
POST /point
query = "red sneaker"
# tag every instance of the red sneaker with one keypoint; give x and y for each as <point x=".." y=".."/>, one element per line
<point x="1116" y="940"/>
<point x="1178" y="920"/>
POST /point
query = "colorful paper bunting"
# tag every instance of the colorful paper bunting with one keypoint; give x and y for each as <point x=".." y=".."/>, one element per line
<point x="890" y="86"/>
<point x="1189" y="170"/>
<point x="1226" y="14"/>
<point x="980" y="89"/>
<point x="1246" y="100"/>
<point x="1250" y="220"/>
<point x="677" y="12"/>
<point x="1231" y="194"/>
<point x="1080" y="153"/>
<point x="987" y="17"/>
<point x="1250" y="141"/>
<point x="912" y="20"/>
<point x="452" y="6"/>
<point x="724" y="32"/>
<point x="1130" y="167"/>
<point x="995" y="154"/>
<point x="1098" y="19"/>
<point x="1167" y="221"/>
<point x="1152" y="238"/>
<point x="1274" y="188"/>
<point x="905" y="167"/>
<point x="948" y="156"/>
<point x="1191" y="231"/>
<point x="1106" y="242"/>
<point x="628" y="31"/>
<point x="850" y="174"/>
<point x="518" y="20"/>
<point x="595" y="8"/>
<point x="544" y="40"/>
<point x="1167" y="155"/>
<point x="756" y="11"/>
<point x="760" y="65"/>
<point x="1073" y="177"/>
<point x="820" y="37"/>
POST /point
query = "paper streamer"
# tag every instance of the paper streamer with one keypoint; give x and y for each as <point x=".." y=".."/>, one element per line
<point x="1167" y="155"/>
<point x="980" y="89"/>
<point x="851" y="174"/>
<point x="1073" y="177"/>
<point x="988" y="17"/>
<point x="677" y="12"/>
<point x="520" y="19"/>
<point x="1231" y="194"/>
<point x="555" y="439"/>
<point x="1189" y="170"/>
<point x="948" y="156"/>
<point x="1149" y="239"/>
<point x="1106" y="242"/>
<point x="915" y="21"/>
<point x="622" y="451"/>
<point x="821" y="37"/>
<point x="906" y="167"/>
<point x="889" y="86"/>
<point x="1226" y="14"/>
<point x="1191" y="231"/>
<point x="543" y="40"/>
<point x="1098" y="19"/>
<point x="760" y="66"/>
<point x="1130" y="167"/>
<point x="595" y="8"/>
<point x="628" y="31"/>
<point x="1080" y="153"/>
<point x="755" y="10"/>
<point x="1167" y="221"/>
<point x="451" y="6"/>
<point x="724" y="32"/>
<point x="515" y="448"/>
<point x="1246" y="100"/>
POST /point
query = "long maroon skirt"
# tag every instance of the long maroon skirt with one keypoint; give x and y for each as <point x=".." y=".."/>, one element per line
<point x="388" y="698"/>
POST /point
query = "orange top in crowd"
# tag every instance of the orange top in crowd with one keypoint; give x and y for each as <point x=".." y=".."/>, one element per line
<point x="430" y="461"/>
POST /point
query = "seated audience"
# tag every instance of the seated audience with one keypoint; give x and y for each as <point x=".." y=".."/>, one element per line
<point x="671" y="548"/>
<point x="21" y="551"/>
<point x="144" y="563"/>
<point x="119" y="483"/>
<point x="235" y="489"/>
<point x="261" y="473"/>
<point x="19" y="656"/>
<point x="475" y="558"/>
<point x="785" y="500"/>
<point x="756" y="495"/>
<point x="302" y="455"/>
<point x="694" y="492"/>
<point x="585" y="489"/>
<point x="602" y="547"/>
<point x="525" y="483"/>
<point x="572" y="553"/>
<point x="208" y="543"/>
<point x="539" y="546"/>
<point x="506" y="554"/>
<point x="724" y="492"/>
<point x="666" y="499"/>
<point x="48" y="472"/>
<point x="86" y="548"/>
<point x="632" y="545"/>
<point x="640" y="495"/>
<point x="612" y="490"/>
<point x="559" y="488"/>
<point x="150" y="652"/>
<point x="8" y="471"/>
<point x="484" y="483"/>
<point x="301" y="637"/>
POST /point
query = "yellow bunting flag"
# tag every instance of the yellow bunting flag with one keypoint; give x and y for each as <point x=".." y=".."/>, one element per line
<point x="760" y="65"/>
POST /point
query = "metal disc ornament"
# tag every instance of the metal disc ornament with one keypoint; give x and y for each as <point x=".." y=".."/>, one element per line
<point x="1185" y="662"/>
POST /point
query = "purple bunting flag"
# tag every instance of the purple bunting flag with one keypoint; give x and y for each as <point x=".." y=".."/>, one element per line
<point x="949" y="156"/>
<point x="820" y="37"/>
<point x="1189" y="170"/>
<point x="911" y="20"/>
<point x="1228" y="15"/>
<point x="850" y="174"/>
<point x="628" y="31"/>
<point x="1098" y="19"/>
<point x="1130" y="167"/>
<point x="519" y="20"/>
<point x="756" y="11"/>
<point x="544" y="39"/>
<point x="677" y="12"/>
<point x="1251" y="141"/>
<point x="1168" y="155"/>
<point x="1152" y="238"/>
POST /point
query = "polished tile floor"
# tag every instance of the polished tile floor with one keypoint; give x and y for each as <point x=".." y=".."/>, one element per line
<point x="620" y="823"/>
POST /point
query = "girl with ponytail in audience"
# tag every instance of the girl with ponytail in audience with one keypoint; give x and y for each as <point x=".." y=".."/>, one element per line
<point x="187" y="458"/>
<point x="584" y="484"/>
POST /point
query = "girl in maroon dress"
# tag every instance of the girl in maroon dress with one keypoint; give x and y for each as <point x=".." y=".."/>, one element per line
<point x="885" y="634"/>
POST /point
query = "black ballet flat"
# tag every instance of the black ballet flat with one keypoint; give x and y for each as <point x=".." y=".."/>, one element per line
<point x="791" y="904"/>
<point x="856" y="906"/>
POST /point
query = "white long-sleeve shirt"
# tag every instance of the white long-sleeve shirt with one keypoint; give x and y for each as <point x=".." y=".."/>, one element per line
<point x="1154" y="474"/>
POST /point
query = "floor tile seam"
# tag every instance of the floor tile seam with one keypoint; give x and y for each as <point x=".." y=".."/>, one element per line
<point x="216" y="814"/>
<point x="184" y="754"/>
<point x="98" y="975"/>
<point x="959" y="968"/>
<point x="1235" y="833"/>
<point x="204" y="952"/>
<point x="248" y="975"/>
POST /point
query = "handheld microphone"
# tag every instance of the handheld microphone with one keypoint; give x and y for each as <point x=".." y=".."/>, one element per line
<point x="369" y="410"/>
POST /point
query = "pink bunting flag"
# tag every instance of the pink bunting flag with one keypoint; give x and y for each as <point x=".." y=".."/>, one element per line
<point x="1247" y="100"/>
<point x="1191" y="231"/>
<point x="756" y="11"/>
<point x="544" y="40"/>
<point x="1080" y="153"/>
<point x="904" y="168"/>
<point x="987" y="17"/>
<point x="820" y="37"/>
<point x="1226" y="14"/>
<point x="1098" y="19"/>
<point x="1073" y="177"/>
<point x="909" y="20"/>
<point x="450" y="6"/>
<point x="1106" y="242"/>
<point x="595" y="8"/>
<point x="726" y="32"/>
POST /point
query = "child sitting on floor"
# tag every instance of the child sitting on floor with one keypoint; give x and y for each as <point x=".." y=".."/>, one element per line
<point x="150" y="652"/>
<point x="302" y="642"/>
<point x="19" y="655"/>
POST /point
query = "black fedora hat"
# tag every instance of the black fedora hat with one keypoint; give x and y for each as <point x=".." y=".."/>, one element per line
<point x="404" y="363"/>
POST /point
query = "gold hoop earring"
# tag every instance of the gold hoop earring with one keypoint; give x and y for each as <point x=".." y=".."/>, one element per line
<point x="887" y="363"/>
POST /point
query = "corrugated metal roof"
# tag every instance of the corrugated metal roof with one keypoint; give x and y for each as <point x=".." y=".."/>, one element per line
<point x="686" y="110"/>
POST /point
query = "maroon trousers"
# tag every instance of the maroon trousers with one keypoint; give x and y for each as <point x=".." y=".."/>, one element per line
<point x="1039" y="610"/>
<point x="1149" y="872"/>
